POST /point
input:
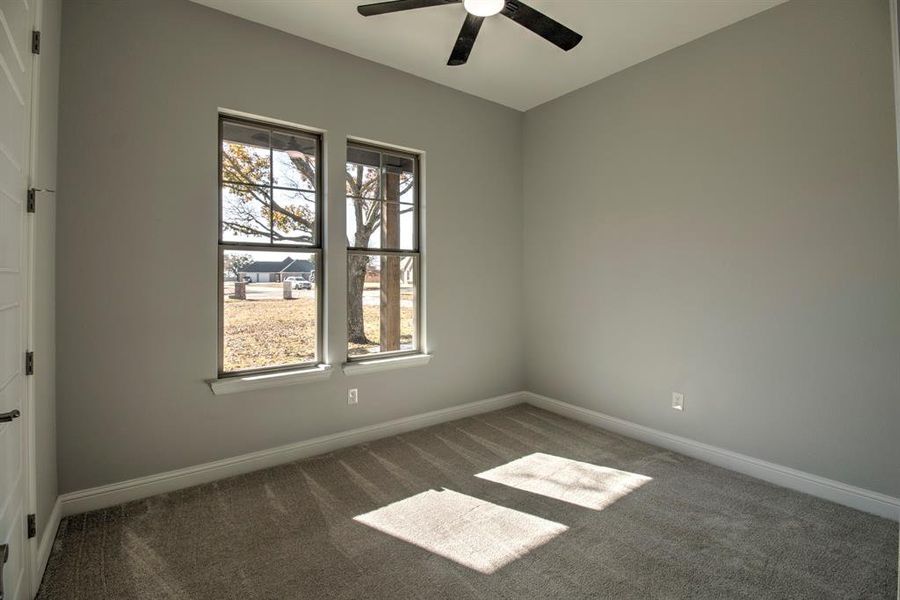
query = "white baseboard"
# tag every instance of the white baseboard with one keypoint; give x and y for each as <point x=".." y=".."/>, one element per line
<point x="829" y="489"/>
<point x="144" y="487"/>
<point x="46" y="544"/>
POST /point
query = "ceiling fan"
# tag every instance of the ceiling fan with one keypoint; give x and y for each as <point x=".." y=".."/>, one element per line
<point x="552" y="31"/>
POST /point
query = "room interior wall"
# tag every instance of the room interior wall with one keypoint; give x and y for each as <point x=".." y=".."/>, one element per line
<point x="43" y="239"/>
<point x="142" y="84"/>
<point x="722" y="221"/>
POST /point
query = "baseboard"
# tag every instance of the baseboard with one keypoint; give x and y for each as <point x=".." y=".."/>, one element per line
<point x="46" y="544"/>
<point x="829" y="489"/>
<point x="144" y="487"/>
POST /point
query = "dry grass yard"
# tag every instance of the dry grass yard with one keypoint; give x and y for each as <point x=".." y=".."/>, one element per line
<point x="269" y="332"/>
<point x="283" y="332"/>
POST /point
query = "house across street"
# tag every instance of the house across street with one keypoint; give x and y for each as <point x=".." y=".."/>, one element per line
<point x="277" y="271"/>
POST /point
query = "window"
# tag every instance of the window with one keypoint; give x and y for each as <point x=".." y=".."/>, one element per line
<point x="383" y="261"/>
<point x="270" y="247"/>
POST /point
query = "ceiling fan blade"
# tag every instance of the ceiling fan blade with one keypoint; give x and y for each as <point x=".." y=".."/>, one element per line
<point x="552" y="31"/>
<point x="465" y="40"/>
<point x="380" y="8"/>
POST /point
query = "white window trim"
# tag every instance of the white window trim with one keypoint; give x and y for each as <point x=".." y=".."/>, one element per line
<point x="317" y="249"/>
<point x="388" y="361"/>
<point x="257" y="381"/>
<point x="361" y="367"/>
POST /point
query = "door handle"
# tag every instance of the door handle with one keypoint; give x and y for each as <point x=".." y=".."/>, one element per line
<point x="9" y="417"/>
<point x="4" y="556"/>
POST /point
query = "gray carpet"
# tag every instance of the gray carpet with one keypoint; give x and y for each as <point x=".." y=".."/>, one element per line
<point x="518" y="503"/>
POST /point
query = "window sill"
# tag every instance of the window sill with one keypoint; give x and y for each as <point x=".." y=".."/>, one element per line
<point x="385" y="364"/>
<point x="233" y="385"/>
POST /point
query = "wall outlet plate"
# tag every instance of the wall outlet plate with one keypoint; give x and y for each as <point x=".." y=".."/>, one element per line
<point x="677" y="400"/>
<point x="353" y="396"/>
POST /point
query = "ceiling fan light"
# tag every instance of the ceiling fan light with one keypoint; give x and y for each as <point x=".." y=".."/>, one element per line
<point x="483" y="8"/>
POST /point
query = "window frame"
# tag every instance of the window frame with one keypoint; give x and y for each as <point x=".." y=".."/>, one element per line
<point x="416" y="252"/>
<point x="317" y="248"/>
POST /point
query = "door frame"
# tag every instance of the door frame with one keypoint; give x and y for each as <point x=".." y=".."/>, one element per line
<point x="33" y="573"/>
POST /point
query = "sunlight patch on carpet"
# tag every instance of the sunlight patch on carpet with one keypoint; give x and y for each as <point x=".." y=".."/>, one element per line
<point x="572" y="481"/>
<point x="472" y="532"/>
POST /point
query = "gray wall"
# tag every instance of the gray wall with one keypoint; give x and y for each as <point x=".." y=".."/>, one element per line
<point x="722" y="220"/>
<point x="44" y="240"/>
<point x="141" y="86"/>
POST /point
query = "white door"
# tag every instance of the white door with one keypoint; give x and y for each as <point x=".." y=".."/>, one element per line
<point x="16" y="23"/>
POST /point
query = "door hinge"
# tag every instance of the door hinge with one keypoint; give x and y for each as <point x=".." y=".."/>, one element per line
<point x="35" y="42"/>
<point x="29" y="363"/>
<point x="32" y="526"/>
<point x="32" y="200"/>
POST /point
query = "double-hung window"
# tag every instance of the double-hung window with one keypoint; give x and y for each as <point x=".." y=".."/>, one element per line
<point x="383" y="260"/>
<point x="270" y="247"/>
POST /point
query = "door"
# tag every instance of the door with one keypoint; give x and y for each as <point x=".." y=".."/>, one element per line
<point x="16" y="23"/>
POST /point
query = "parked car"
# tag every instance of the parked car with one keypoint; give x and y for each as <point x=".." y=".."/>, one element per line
<point x="247" y="279"/>
<point x="298" y="283"/>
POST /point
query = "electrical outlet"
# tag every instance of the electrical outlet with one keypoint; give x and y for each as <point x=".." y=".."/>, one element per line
<point x="677" y="400"/>
<point x="353" y="396"/>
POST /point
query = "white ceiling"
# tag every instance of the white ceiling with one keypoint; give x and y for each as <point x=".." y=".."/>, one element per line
<point x="509" y="64"/>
